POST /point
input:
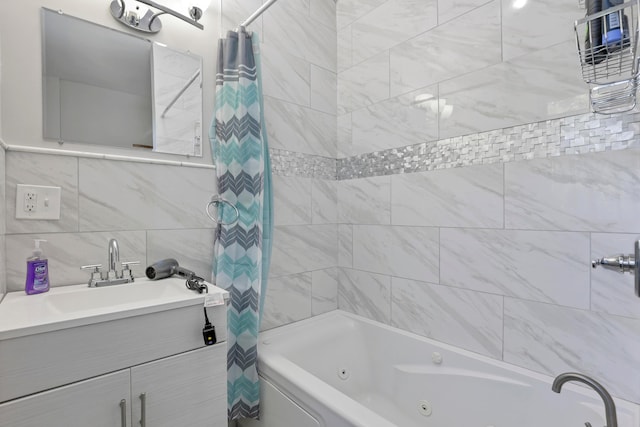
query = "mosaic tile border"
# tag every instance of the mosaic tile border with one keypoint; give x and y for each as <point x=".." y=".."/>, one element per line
<point x="290" y="163"/>
<point x="580" y="134"/>
<point x="586" y="133"/>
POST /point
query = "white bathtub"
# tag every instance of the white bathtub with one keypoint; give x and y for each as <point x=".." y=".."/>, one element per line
<point x="340" y="370"/>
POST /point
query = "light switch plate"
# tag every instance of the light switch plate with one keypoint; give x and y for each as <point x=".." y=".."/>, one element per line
<point x="38" y="202"/>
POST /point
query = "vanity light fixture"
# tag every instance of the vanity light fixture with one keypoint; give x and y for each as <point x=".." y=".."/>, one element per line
<point x="141" y="18"/>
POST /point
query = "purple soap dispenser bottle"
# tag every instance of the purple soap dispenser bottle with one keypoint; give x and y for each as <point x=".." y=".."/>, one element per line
<point x="37" y="271"/>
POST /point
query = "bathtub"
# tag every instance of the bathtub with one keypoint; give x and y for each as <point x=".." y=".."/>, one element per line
<point x="342" y="370"/>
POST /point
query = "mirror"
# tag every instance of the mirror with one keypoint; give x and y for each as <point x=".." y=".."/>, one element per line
<point x="102" y="86"/>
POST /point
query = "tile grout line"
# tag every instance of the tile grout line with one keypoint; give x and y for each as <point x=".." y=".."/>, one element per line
<point x="503" y="296"/>
<point x="501" y="34"/>
<point x="503" y="326"/>
<point x="590" y="273"/>
<point x="504" y="196"/>
<point x="440" y="255"/>
<point x="78" y="192"/>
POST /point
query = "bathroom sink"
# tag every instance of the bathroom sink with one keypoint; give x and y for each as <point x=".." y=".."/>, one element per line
<point x="89" y="299"/>
<point x="78" y="305"/>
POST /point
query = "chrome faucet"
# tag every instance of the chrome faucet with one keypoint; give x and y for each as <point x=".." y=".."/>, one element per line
<point x="609" y="405"/>
<point x="114" y="257"/>
<point x="118" y="273"/>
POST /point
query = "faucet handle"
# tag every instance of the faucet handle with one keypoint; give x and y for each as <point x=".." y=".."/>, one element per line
<point x="126" y="267"/>
<point x="96" y="267"/>
<point x="96" y="274"/>
<point x="128" y="263"/>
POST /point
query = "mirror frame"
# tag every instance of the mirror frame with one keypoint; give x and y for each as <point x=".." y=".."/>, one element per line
<point x="198" y="139"/>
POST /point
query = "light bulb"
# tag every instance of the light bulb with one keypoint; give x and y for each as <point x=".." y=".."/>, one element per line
<point x="437" y="105"/>
<point x="446" y="112"/>
<point x="419" y="99"/>
<point x="519" y="4"/>
<point x="202" y="4"/>
<point x="190" y="5"/>
<point x="422" y="100"/>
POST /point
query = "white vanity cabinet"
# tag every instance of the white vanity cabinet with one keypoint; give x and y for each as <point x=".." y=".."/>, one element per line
<point x="122" y="356"/>
<point x="94" y="402"/>
<point x="184" y="390"/>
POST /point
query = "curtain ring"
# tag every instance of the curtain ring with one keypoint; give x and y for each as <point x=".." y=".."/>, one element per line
<point x="215" y="201"/>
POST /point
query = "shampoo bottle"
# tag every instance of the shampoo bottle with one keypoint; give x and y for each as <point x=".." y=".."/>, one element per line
<point x="616" y="27"/>
<point x="37" y="271"/>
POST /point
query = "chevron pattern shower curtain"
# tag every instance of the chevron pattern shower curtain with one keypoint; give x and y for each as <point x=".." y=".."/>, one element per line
<point x="243" y="249"/>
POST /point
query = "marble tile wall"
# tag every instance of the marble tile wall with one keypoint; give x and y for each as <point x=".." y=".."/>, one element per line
<point x="419" y="71"/>
<point x="448" y="314"/>
<point x="299" y="73"/>
<point x="304" y="277"/>
<point x="496" y="259"/>
<point x="154" y="211"/>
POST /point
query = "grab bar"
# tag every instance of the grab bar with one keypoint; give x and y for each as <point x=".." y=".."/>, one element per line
<point x="216" y="201"/>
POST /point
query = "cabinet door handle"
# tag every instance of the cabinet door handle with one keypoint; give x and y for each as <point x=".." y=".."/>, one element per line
<point x="143" y="410"/>
<point x="123" y="412"/>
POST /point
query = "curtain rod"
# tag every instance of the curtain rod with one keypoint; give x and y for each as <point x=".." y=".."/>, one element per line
<point x="257" y="13"/>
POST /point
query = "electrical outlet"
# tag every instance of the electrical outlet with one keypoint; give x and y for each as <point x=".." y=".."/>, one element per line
<point x="38" y="202"/>
<point x="30" y="201"/>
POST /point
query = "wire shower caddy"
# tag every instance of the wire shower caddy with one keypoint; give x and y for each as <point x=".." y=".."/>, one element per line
<point x="610" y="68"/>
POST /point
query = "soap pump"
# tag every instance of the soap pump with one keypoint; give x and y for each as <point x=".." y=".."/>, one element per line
<point x="37" y="271"/>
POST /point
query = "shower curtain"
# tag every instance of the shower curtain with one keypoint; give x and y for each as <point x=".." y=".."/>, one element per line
<point x="243" y="249"/>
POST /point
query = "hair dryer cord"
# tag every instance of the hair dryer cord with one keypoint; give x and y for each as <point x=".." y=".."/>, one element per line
<point x="196" y="283"/>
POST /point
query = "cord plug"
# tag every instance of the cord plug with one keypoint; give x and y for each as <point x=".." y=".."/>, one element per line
<point x="209" y="331"/>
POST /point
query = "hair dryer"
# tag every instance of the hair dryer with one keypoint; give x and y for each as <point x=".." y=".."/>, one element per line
<point x="167" y="268"/>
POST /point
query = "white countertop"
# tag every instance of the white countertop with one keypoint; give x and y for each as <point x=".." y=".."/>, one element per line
<point x="78" y="305"/>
